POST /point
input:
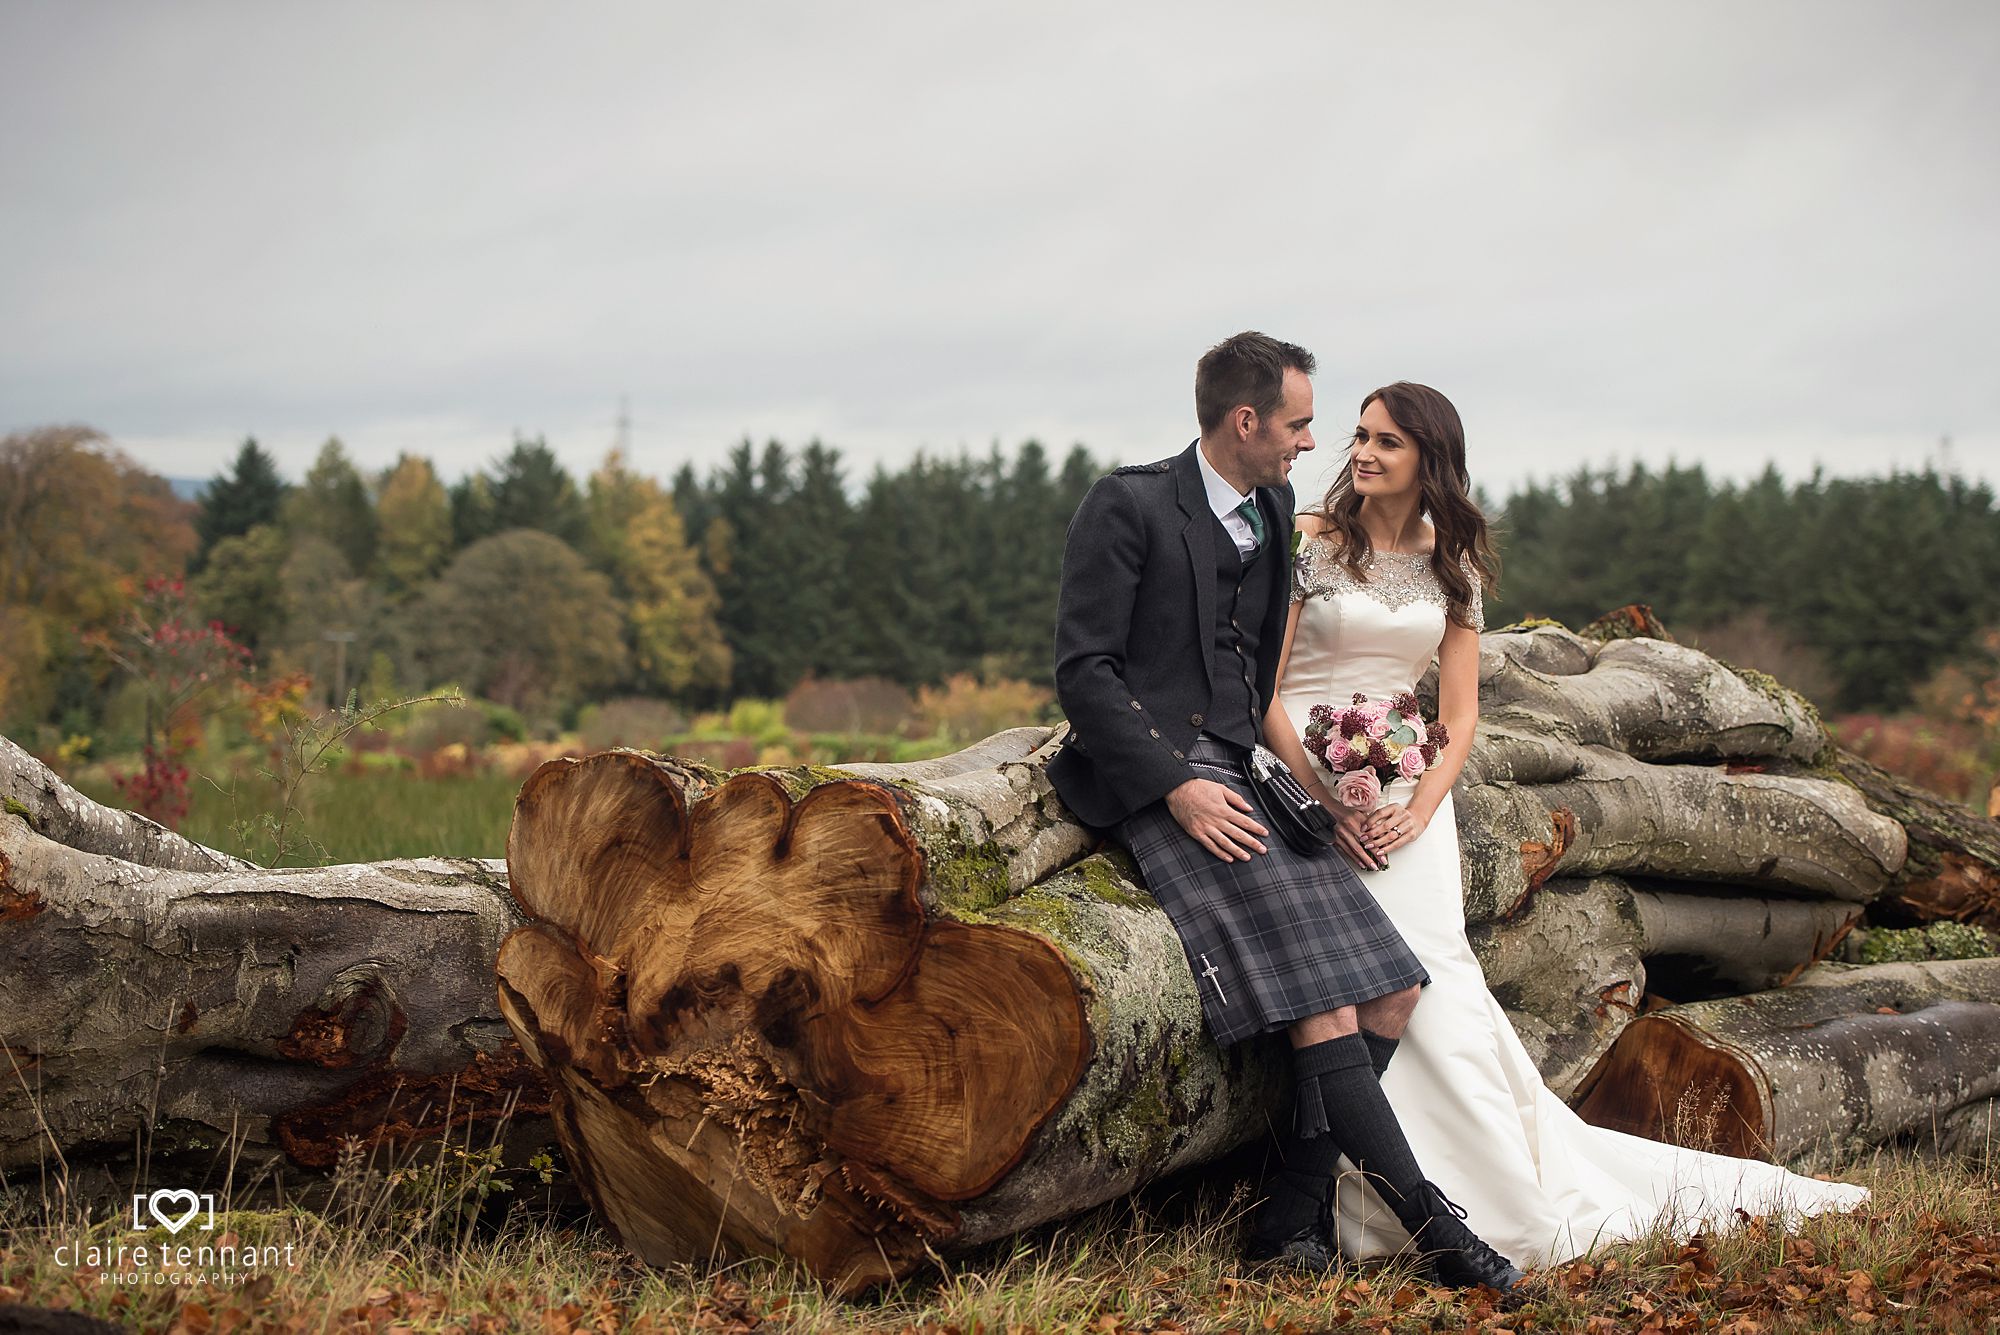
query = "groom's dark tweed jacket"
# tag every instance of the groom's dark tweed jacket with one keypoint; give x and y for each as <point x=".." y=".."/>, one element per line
<point x="1135" y="630"/>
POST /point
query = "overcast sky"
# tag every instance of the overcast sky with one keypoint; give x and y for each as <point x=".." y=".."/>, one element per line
<point x="1718" y="232"/>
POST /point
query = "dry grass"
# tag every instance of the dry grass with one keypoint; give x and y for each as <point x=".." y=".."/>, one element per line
<point x="377" y="1257"/>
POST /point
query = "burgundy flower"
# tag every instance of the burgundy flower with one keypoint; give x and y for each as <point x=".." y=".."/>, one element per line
<point x="1437" y="735"/>
<point x="1353" y="723"/>
<point x="1406" y="704"/>
<point x="1429" y="752"/>
<point x="1378" y="754"/>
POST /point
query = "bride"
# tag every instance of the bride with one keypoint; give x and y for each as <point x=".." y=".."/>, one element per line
<point x="1379" y="593"/>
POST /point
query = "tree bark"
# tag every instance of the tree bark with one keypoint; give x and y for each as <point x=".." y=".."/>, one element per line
<point x="55" y="810"/>
<point x="1573" y="968"/>
<point x="853" y="1022"/>
<point x="197" y="1007"/>
<point x="1640" y="757"/>
<point x="1953" y="871"/>
<point x="1845" y="1058"/>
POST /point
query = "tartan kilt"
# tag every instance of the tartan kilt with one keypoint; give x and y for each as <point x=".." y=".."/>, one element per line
<point x="1274" y="939"/>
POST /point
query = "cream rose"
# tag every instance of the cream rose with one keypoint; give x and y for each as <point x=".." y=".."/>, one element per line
<point x="1359" y="789"/>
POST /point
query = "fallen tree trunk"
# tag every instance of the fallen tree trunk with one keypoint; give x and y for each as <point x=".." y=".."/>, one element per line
<point x="1644" y="758"/>
<point x="1953" y="871"/>
<point x="1843" y="1059"/>
<point x="266" y="1016"/>
<point x="1574" y="967"/>
<point x="772" y="1024"/>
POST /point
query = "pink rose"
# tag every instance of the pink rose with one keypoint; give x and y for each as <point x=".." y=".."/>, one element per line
<point x="1378" y="727"/>
<point x="1360" y="789"/>
<point x="1416" y="725"/>
<point x="1412" y="762"/>
<point x="1336" y="752"/>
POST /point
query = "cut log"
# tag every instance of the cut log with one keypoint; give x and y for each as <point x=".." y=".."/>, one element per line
<point x="1843" y="1059"/>
<point x="1953" y="871"/>
<point x="1585" y="956"/>
<point x="1644" y="758"/>
<point x="1569" y="971"/>
<point x="1730" y="944"/>
<point x="166" y="1012"/>
<point x="835" y="1046"/>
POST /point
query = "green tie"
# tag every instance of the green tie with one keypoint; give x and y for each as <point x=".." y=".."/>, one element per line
<point x="1255" y="518"/>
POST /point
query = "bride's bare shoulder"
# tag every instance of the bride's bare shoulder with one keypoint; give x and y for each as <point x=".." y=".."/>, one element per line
<point x="1311" y="525"/>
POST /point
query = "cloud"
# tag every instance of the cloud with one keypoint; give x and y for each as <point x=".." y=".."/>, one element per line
<point x="1710" y="231"/>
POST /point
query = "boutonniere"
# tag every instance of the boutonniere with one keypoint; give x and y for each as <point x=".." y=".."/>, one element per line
<point x="1298" y="543"/>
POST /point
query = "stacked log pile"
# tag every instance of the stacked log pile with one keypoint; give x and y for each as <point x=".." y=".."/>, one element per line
<point x="865" y="1015"/>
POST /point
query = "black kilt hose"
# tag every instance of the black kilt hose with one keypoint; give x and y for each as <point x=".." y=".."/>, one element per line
<point x="1274" y="939"/>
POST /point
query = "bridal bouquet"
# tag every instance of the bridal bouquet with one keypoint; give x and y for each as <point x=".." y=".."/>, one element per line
<point x="1372" y="743"/>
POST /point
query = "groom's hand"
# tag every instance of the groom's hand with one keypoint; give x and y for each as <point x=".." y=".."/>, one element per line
<point x="1218" y="817"/>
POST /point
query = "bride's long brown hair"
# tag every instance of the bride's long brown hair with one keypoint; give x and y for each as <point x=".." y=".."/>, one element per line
<point x="1427" y="418"/>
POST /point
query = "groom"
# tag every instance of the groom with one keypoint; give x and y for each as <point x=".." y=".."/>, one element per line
<point x="1176" y="583"/>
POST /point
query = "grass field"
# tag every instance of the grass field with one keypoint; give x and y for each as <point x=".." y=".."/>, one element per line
<point x="351" y="817"/>
<point x="1921" y="1256"/>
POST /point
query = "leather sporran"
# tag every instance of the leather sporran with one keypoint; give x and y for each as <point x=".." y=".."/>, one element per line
<point x="1302" y="819"/>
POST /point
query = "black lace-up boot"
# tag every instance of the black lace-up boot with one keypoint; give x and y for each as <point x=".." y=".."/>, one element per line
<point x="1454" y="1254"/>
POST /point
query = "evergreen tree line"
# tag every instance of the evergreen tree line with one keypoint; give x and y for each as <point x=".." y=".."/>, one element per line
<point x="522" y="584"/>
<point x="948" y="565"/>
<point x="1855" y="590"/>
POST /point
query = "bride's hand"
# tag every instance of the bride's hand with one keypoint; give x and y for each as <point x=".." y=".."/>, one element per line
<point x="1392" y="825"/>
<point x="1352" y="837"/>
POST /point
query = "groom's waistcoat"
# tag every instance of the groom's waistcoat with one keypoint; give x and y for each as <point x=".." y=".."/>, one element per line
<point x="1243" y="588"/>
<point x="1155" y="629"/>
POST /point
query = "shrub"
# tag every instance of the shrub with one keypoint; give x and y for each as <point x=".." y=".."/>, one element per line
<point x="436" y="726"/>
<point x="1749" y="640"/>
<point x="503" y="722"/>
<point x="965" y="708"/>
<point x="723" y="753"/>
<point x="1942" y="757"/>
<point x="634" y="721"/>
<point x="863" y="705"/>
<point x="762" y="721"/>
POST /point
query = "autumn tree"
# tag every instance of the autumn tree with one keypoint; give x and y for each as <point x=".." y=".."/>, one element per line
<point x="248" y="494"/>
<point x="519" y="618"/>
<point x="635" y="537"/>
<point x="414" y="524"/>
<point x="81" y="525"/>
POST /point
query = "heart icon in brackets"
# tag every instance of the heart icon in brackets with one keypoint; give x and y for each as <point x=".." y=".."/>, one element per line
<point x="174" y="1196"/>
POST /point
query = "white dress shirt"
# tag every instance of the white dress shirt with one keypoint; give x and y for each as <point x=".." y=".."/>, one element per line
<point x="1225" y="500"/>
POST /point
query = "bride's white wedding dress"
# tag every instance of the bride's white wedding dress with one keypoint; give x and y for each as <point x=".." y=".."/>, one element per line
<point x="1537" y="1182"/>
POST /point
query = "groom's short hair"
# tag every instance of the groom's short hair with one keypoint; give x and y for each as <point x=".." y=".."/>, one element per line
<point x="1245" y="368"/>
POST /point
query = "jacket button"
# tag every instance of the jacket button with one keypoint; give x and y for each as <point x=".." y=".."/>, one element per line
<point x="1195" y="719"/>
<point x="1179" y="756"/>
<point x="1135" y="704"/>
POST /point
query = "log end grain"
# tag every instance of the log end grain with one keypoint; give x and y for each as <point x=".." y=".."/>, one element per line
<point x="1669" y="1082"/>
<point x="760" y="1039"/>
